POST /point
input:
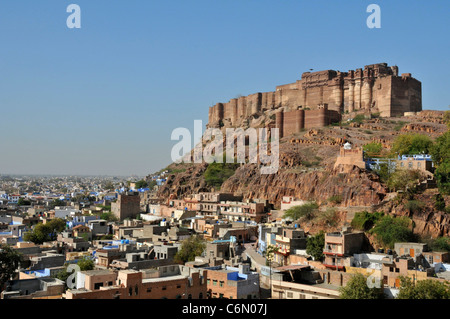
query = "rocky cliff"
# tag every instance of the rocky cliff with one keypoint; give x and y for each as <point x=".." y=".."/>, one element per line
<point x="306" y="172"/>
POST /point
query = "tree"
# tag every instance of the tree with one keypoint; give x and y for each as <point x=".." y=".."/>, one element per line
<point x="439" y="202"/>
<point x="45" y="232"/>
<point x="373" y="149"/>
<point x="315" y="245"/>
<point x="23" y="202"/>
<point x="141" y="184"/>
<point x="365" y="220"/>
<point x="84" y="264"/>
<point x="390" y="230"/>
<point x="190" y="248"/>
<point x="217" y="173"/>
<point x="10" y="260"/>
<point x="405" y="180"/>
<point x="305" y="210"/>
<point x="440" y="244"/>
<point x="357" y="288"/>
<point x="108" y="216"/>
<point x="440" y="153"/>
<point x="423" y="289"/>
<point x="384" y="172"/>
<point x="57" y="202"/>
<point x="408" y="144"/>
<point x="269" y="254"/>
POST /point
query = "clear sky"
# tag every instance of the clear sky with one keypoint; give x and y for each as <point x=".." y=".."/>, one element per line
<point x="105" y="98"/>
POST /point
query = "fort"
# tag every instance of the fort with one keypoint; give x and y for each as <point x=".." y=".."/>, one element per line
<point x="321" y="98"/>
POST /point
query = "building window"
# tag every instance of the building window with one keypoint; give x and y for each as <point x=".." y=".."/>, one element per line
<point x="208" y="281"/>
<point x="221" y="284"/>
<point x="98" y="285"/>
<point x="214" y="282"/>
<point x="136" y="290"/>
<point x="164" y="287"/>
<point x="178" y="286"/>
<point x="130" y="291"/>
<point x="290" y="295"/>
<point x="200" y="295"/>
<point x="149" y="289"/>
<point x="302" y="296"/>
<point x="397" y="269"/>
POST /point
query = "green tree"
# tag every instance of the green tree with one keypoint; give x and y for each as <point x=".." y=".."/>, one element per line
<point x="23" y="202"/>
<point x="423" y="289"/>
<point x="10" y="260"/>
<point x="365" y="220"/>
<point x="359" y="118"/>
<point x="269" y="254"/>
<point x="439" y="202"/>
<point x="357" y="288"/>
<point x="405" y="180"/>
<point x="440" y="154"/>
<point x="86" y="264"/>
<point x="373" y="149"/>
<point x="408" y="144"/>
<point x="57" y="202"/>
<point x="440" y="244"/>
<point x="190" y="248"/>
<point x="383" y="172"/>
<point x="447" y="118"/>
<point x="306" y="210"/>
<point x="390" y="230"/>
<point x="217" y="173"/>
<point x="108" y="216"/>
<point x="141" y="184"/>
<point x="45" y="232"/>
<point x="315" y="245"/>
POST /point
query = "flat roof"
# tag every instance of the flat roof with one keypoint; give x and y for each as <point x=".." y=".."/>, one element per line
<point x="162" y="279"/>
<point x="97" y="272"/>
<point x="292" y="267"/>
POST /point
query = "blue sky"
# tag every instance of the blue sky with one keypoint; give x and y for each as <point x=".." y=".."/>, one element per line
<point x="105" y="98"/>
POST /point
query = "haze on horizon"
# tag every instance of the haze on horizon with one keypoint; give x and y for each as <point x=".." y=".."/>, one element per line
<point x="104" y="99"/>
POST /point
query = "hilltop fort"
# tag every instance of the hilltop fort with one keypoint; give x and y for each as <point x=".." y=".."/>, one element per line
<point x="323" y="97"/>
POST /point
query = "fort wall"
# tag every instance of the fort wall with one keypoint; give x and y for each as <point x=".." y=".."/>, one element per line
<point x="375" y="89"/>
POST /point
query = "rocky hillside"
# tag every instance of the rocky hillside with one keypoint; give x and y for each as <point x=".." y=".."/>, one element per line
<point x="306" y="172"/>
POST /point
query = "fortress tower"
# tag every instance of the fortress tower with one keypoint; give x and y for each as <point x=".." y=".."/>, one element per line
<point x="320" y="98"/>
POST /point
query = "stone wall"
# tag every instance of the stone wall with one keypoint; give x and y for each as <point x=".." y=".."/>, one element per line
<point x="375" y="89"/>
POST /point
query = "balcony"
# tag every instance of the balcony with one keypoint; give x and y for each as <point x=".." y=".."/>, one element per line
<point x="333" y="252"/>
<point x="334" y="266"/>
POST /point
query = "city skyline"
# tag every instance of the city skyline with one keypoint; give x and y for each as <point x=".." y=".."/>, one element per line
<point x="104" y="99"/>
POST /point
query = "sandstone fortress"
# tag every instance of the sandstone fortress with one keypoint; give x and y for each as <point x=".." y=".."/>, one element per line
<point x="321" y="98"/>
